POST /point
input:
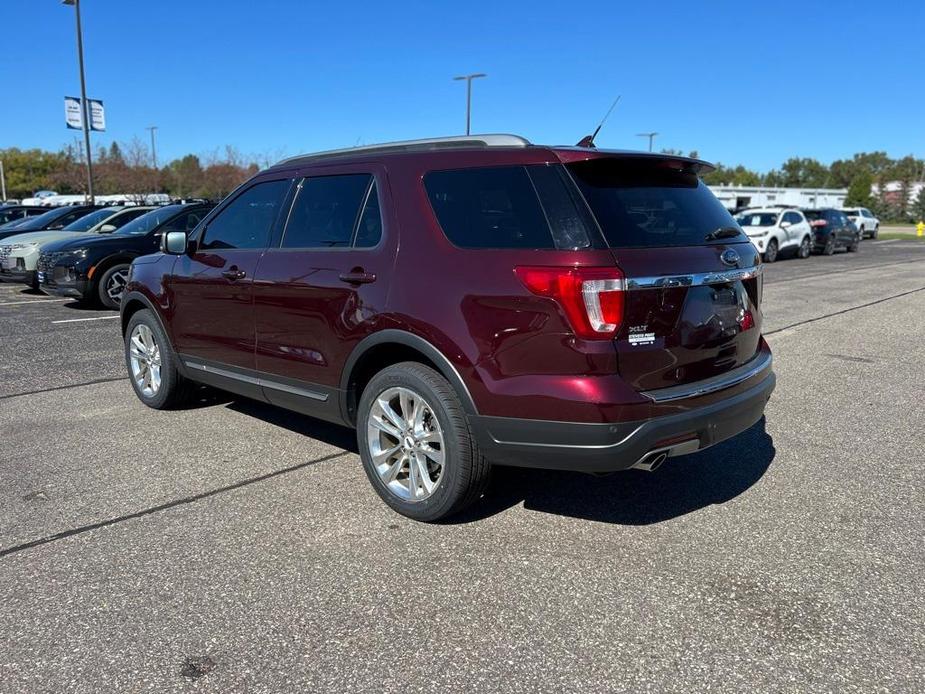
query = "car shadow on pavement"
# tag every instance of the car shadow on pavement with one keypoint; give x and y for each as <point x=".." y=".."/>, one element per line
<point x="331" y="434"/>
<point x="680" y="486"/>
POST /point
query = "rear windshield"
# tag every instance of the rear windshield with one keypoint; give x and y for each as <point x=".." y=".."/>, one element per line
<point x="531" y="207"/>
<point x="644" y="206"/>
<point x="757" y="219"/>
<point x="813" y="215"/>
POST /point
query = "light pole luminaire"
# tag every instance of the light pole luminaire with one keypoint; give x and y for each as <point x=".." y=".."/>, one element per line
<point x="469" y="78"/>
<point x="84" y="104"/>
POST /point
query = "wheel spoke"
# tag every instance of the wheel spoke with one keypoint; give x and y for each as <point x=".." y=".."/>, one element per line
<point x="407" y="402"/>
<point x="423" y="473"/>
<point x="413" y="477"/>
<point x="390" y="414"/>
<point x="385" y="426"/>
<point x="433" y="453"/>
<point x="393" y="471"/>
<point x="383" y="456"/>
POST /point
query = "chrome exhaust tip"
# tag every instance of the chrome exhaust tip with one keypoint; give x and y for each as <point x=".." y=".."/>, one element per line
<point x="650" y="461"/>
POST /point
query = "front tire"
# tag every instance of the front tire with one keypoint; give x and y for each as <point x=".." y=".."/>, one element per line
<point x="415" y="443"/>
<point x="112" y="286"/>
<point x="152" y="364"/>
<point x="770" y="253"/>
<point x="876" y="231"/>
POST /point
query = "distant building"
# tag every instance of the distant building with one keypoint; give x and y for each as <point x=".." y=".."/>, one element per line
<point x="893" y="192"/>
<point x="737" y="197"/>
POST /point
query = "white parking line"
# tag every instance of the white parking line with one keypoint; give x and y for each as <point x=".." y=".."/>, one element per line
<point x="79" y="320"/>
<point x="33" y="301"/>
<point x="887" y="241"/>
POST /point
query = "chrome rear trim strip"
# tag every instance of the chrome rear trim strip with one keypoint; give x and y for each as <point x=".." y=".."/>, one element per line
<point x="710" y="385"/>
<point x="693" y="280"/>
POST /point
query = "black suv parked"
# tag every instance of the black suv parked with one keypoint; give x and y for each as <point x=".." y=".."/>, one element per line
<point x="96" y="268"/>
<point x="832" y="230"/>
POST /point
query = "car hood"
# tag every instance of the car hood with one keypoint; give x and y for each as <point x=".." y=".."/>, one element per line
<point x="94" y="242"/>
<point x="39" y="237"/>
<point x="754" y="230"/>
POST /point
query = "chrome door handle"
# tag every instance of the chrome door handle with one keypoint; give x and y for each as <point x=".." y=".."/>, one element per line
<point x="357" y="277"/>
<point x="233" y="273"/>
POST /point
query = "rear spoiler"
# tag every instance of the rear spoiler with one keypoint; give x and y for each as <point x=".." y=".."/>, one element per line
<point x="567" y="155"/>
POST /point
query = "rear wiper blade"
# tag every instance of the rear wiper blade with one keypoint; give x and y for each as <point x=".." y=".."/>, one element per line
<point x="723" y="233"/>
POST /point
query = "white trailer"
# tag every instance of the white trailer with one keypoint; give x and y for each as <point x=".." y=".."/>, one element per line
<point x="737" y="197"/>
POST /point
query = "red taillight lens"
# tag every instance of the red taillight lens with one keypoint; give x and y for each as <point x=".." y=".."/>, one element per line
<point x="818" y="223"/>
<point x="591" y="297"/>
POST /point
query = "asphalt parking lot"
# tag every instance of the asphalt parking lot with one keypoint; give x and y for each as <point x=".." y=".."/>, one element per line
<point x="235" y="547"/>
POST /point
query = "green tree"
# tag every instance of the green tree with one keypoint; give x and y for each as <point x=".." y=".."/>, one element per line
<point x="859" y="190"/>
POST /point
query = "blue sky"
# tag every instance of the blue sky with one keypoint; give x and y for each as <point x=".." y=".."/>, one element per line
<point x="740" y="82"/>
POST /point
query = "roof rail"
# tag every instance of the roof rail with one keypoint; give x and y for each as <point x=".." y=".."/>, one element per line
<point x="456" y="141"/>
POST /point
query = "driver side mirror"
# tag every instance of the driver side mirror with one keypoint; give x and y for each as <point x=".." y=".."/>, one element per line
<point x="784" y="225"/>
<point x="174" y="243"/>
<point x="108" y="228"/>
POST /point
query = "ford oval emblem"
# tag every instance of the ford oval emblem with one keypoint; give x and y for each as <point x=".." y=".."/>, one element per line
<point x="730" y="257"/>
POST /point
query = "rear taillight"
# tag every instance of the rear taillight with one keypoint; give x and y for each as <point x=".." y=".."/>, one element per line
<point x="818" y="223"/>
<point x="591" y="297"/>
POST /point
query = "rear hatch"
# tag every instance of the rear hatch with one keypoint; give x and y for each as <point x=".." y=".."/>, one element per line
<point x="691" y="306"/>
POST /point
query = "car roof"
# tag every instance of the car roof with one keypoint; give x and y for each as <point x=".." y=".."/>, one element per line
<point x="465" y="149"/>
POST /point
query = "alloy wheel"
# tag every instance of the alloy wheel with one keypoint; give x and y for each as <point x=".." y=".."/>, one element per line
<point x="406" y="444"/>
<point x="115" y="285"/>
<point x="805" y="248"/>
<point x="145" y="359"/>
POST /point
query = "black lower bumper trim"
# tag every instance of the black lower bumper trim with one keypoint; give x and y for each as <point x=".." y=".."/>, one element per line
<point x="616" y="446"/>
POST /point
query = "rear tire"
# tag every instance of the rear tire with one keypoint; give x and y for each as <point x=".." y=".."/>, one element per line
<point x="829" y="248"/>
<point x="152" y="364"/>
<point x="855" y="245"/>
<point x="770" y="253"/>
<point x="112" y="285"/>
<point x="424" y="463"/>
<point x="806" y="247"/>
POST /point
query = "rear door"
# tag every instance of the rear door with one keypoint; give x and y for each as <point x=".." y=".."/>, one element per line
<point x="212" y="288"/>
<point x="692" y="283"/>
<point x="322" y="284"/>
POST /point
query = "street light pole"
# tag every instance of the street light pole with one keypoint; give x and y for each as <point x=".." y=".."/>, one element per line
<point x="84" y="104"/>
<point x="651" y="137"/>
<point x="469" y="78"/>
<point x="152" y="128"/>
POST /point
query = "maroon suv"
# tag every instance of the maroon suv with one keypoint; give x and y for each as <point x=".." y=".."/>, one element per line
<point x="463" y="302"/>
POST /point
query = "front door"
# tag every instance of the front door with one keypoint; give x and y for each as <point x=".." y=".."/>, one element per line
<point x="212" y="287"/>
<point x="319" y="290"/>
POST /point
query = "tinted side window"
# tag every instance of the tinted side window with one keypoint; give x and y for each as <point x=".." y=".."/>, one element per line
<point x="247" y="220"/>
<point x="792" y="217"/>
<point x="325" y="211"/>
<point x="69" y="217"/>
<point x="369" y="230"/>
<point x="122" y="219"/>
<point x="488" y="208"/>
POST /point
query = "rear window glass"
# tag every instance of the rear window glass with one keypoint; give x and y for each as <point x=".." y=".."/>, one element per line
<point x="643" y="206"/>
<point x="499" y="207"/>
<point x="757" y="219"/>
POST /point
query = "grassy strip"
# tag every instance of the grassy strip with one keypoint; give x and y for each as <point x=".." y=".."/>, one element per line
<point x="886" y="235"/>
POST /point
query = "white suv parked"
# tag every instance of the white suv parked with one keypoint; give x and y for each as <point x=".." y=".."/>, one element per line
<point x="773" y="230"/>
<point x="864" y="220"/>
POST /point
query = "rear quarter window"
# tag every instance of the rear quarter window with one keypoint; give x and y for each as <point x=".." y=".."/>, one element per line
<point x="500" y="207"/>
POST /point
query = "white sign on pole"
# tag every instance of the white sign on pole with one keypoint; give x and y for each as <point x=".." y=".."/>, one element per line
<point x="73" y="114"/>
<point x="97" y="115"/>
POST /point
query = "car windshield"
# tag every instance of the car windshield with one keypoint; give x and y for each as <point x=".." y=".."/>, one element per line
<point x="757" y="219"/>
<point x="91" y="220"/>
<point x="43" y="220"/>
<point x="639" y="205"/>
<point x="147" y="222"/>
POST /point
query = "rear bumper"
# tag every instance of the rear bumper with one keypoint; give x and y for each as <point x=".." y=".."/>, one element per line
<point x="617" y="446"/>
